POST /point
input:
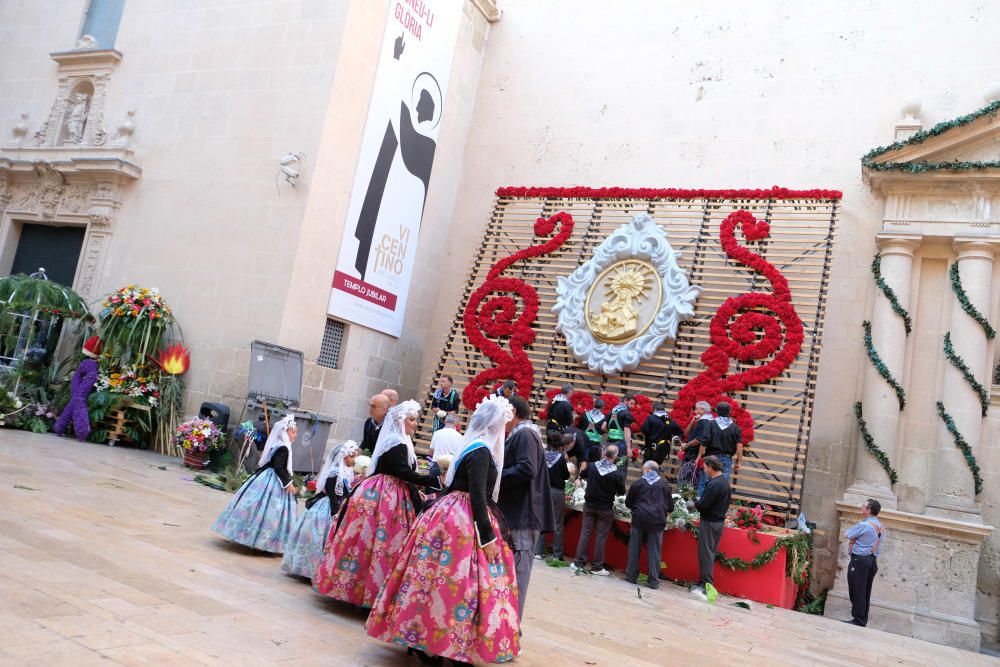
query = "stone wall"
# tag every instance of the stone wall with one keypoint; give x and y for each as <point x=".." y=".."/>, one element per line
<point x="721" y="96"/>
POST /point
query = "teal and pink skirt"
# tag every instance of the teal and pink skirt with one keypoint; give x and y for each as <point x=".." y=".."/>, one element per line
<point x="444" y="597"/>
<point x="304" y="549"/>
<point x="365" y="541"/>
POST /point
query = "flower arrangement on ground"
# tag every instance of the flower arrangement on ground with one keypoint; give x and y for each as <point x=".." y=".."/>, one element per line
<point x="199" y="435"/>
<point x="10" y="405"/>
<point x="135" y="375"/>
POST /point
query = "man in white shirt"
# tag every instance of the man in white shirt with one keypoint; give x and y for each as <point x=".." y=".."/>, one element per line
<point x="447" y="440"/>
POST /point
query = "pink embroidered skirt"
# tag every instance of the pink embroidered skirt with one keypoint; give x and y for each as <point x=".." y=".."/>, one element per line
<point x="444" y="597"/>
<point x="361" y="551"/>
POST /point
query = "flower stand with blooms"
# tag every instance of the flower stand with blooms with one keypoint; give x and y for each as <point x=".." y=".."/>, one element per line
<point x="196" y="439"/>
<point x="134" y="322"/>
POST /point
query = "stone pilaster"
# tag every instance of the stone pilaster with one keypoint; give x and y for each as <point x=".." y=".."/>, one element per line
<point x="926" y="582"/>
<point x="881" y="408"/>
<point x="952" y="491"/>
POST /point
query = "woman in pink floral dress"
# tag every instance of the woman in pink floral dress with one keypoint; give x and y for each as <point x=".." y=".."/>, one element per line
<point x="373" y="523"/>
<point x="452" y="593"/>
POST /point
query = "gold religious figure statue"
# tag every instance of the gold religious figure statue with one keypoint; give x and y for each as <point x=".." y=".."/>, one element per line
<point x="626" y="309"/>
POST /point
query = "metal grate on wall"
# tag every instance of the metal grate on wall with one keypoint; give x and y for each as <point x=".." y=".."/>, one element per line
<point x="333" y="340"/>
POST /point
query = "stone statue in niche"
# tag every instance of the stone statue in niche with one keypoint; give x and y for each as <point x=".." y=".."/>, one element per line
<point x="76" y="118"/>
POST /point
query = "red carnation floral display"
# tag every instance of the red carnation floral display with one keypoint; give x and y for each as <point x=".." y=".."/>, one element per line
<point x="734" y="332"/>
<point x="504" y="309"/>
<point x="579" y="192"/>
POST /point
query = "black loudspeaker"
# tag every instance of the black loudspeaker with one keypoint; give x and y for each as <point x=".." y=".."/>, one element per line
<point x="218" y="413"/>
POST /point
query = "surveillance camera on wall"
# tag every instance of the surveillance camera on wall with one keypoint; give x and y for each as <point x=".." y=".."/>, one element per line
<point x="286" y="171"/>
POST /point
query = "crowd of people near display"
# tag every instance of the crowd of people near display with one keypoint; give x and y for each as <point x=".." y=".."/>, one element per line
<point x="442" y="554"/>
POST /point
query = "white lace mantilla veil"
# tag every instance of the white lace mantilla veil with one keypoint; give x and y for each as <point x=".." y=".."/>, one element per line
<point x="277" y="438"/>
<point x="334" y="465"/>
<point x="392" y="433"/>
<point x="487" y="425"/>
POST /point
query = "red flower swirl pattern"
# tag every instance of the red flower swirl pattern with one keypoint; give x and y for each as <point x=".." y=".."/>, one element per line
<point x="493" y="314"/>
<point x="734" y="332"/>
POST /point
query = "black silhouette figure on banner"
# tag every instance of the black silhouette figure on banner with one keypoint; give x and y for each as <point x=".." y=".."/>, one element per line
<point x="398" y="46"/>
<point x="417" y="151"/>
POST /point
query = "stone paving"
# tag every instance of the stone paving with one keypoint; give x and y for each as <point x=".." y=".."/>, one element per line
<point x="106" y="558"/>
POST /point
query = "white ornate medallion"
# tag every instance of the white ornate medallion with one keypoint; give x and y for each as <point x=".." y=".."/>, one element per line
<point x="617" y="308"/>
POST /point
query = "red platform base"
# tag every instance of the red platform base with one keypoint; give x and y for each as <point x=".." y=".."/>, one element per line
<point x="768" y="584"/>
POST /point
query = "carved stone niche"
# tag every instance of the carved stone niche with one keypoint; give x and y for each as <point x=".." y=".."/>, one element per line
<point x="77" y="115"/>
<point x="68" y="171"/>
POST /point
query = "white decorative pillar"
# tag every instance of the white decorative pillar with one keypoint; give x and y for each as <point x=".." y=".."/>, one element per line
<point x="952" y="487"/>
<point x="880" y="405"/>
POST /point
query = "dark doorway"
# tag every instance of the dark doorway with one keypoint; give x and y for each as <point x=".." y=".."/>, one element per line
<point x="57" y="249"/>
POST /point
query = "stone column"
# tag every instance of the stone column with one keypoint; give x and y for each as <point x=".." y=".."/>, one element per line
<point x="952" y="490"/>
<point x="879" y="402"/>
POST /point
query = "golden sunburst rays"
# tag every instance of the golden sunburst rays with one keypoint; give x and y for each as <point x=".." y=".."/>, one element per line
<point x="629" y="283"/>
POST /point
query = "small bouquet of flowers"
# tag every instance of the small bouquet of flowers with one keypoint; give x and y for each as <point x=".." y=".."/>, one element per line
<point x="750" y="519"/>
<point x="361" y="464"/>
<point x="199" y="435"/>
<point x="681" y="517"/>
<point x="620" y="509"/>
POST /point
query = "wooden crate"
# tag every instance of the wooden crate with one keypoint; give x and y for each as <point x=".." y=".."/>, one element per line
<point x="115" y="423"/>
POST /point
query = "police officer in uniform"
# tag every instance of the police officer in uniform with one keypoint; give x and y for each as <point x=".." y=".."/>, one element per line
<point x="865" y="539"/>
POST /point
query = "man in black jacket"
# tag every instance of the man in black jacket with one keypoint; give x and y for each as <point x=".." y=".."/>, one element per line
<point x="650" y="500"/>
<point x="524" y="492"/>
<point x="378" y="406"/>
<point x="657" y="431"/>
<point x="604" y="481"/>
<point x="713" y="505"/>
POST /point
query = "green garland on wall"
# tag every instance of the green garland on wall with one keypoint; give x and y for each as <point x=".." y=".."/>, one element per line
<point x="921" y="167"/>
<point x="960" y="442"/>
<point x="959" y="363"/>
<point x="890" y="294"/>
<point x="799" y="552"/>
<point x="919" y="137"/>
<point x="874" y="449"/>
<point x="880" y="366"/>
<point x="967" y="306"/>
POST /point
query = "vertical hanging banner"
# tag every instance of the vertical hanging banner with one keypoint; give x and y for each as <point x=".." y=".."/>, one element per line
<point x="377" y="251"/>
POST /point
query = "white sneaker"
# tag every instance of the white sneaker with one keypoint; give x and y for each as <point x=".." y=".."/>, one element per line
<point x="699" y="593"/>
<point x="537" y="557"/>
<point x="602" y="573"/>
<point x="573" y="567"/>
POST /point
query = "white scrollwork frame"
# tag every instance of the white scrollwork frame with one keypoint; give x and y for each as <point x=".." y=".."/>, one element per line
<point x="643" y="239"/>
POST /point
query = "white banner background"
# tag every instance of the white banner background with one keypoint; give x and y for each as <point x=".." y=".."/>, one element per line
<point x="377" y="252"/>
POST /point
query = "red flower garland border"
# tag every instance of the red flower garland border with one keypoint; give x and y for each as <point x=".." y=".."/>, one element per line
<point x="581" y="192"/>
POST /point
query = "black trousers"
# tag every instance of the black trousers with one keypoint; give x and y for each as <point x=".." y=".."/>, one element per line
<point x="653" y="539"/>
<point x="860" y="576"/>
<point x="709" y="534"/>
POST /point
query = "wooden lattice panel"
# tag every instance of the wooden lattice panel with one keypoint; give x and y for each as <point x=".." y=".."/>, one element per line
<point x="800" y="246"/>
